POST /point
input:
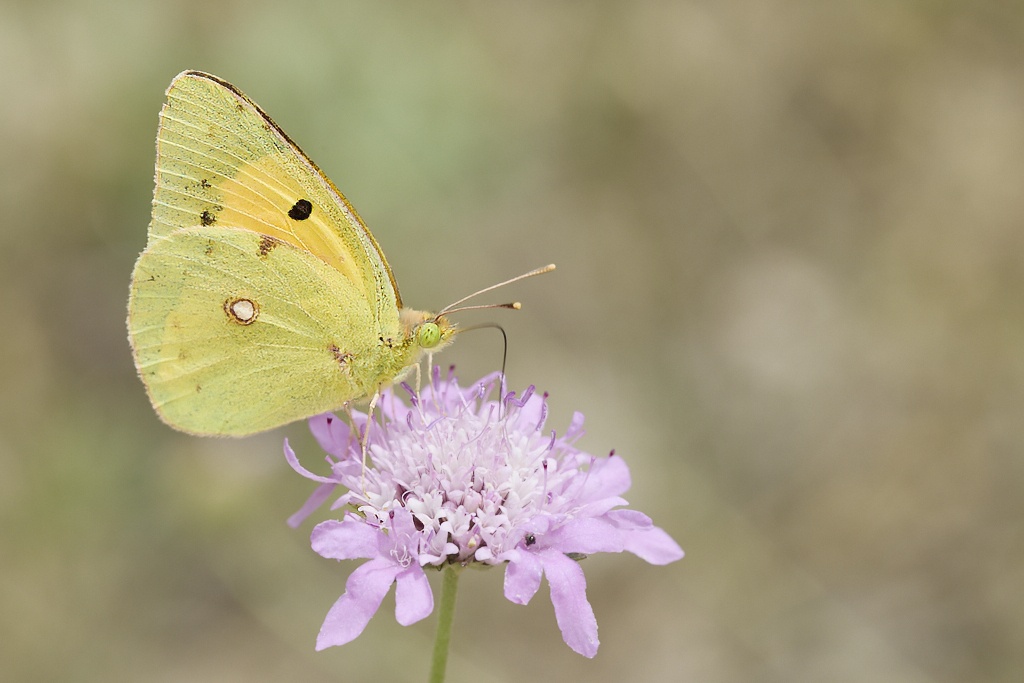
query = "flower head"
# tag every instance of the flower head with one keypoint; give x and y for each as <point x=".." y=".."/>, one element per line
<point x="457" y="478"/>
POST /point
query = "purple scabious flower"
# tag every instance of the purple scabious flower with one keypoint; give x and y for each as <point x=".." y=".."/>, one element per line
<point x="458" y="478"/>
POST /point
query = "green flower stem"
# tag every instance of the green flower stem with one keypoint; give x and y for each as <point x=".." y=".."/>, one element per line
<point x="444" y="624"/>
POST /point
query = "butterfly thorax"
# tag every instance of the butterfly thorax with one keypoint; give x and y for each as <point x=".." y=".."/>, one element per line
<point x="421" y="332"/>
<point x="390" y="358"/>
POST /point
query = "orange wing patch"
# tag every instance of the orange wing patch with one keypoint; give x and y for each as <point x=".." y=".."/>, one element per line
<point x="260" y="198"/>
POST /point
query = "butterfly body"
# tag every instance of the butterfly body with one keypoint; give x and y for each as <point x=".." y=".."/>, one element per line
<point x="261" y="297"/>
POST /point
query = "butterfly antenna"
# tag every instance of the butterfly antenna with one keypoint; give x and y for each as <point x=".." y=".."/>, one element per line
<point x="515" y="305"/>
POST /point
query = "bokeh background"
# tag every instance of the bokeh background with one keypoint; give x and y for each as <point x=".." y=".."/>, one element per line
<point x="790" y="293"/>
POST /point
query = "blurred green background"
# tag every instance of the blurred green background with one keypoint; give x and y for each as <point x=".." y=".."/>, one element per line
<point x="790" y="293"/>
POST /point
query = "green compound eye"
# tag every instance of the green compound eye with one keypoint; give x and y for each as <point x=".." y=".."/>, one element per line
<point x="428" y="335"/>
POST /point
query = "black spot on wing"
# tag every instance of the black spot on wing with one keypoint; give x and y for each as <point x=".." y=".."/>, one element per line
<point x="207" y="218"/>
<point x="301" y="210"/>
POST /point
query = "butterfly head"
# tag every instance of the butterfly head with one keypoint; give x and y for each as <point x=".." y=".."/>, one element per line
<point x="427" y="331"/>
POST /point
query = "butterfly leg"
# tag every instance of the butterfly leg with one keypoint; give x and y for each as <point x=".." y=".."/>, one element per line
<point x="366" y="439"/>
<point x="419" y="377"/>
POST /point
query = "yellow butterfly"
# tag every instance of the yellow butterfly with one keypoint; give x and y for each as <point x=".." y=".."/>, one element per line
<point x="261" y="297"/>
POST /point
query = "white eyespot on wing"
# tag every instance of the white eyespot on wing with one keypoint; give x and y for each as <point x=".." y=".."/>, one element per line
<point x="242" y="311"/>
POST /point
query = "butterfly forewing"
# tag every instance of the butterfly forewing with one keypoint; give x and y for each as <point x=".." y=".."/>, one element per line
<point x="222" y="161"/>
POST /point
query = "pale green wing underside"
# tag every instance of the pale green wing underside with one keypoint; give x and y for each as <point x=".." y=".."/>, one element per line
<point x="312" y="345"/>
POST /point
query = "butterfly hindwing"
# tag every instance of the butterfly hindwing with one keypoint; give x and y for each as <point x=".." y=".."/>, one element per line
<point x="236" y="332"/>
